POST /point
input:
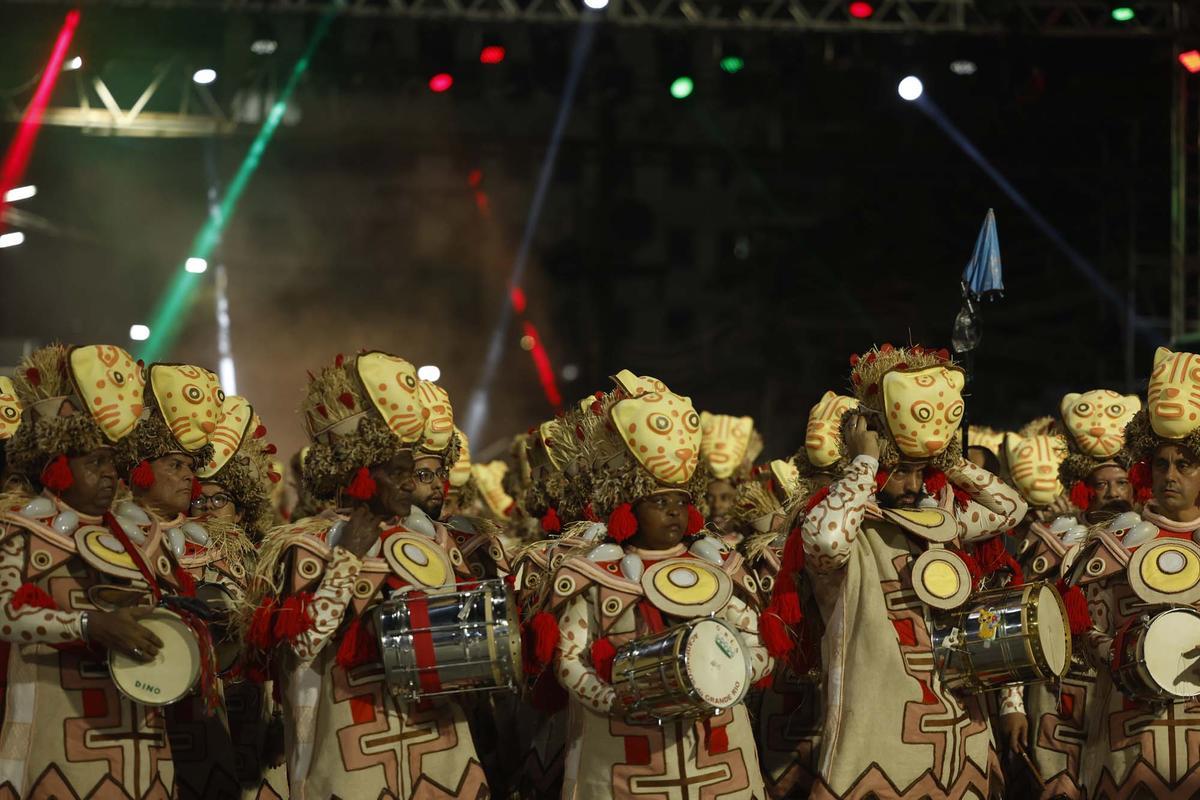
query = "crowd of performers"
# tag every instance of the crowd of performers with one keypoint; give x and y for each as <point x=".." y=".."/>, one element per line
<point x="629" y="605"/>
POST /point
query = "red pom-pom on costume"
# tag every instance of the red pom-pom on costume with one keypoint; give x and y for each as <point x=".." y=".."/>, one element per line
<point x="1082" y="495"/>
<point x="991" y="556"/>
<point x="1143" y="482"/>
<point x="142" y="476"/>
<point x="196" y="489"/>
<point x="774" y="634"/>
<point x="695" y="521"/>
<point x="544" y="629"/>
<point x="259" y="633"/>
<point x="293" y="617"/>
<point x="603" y="654"/>
<point x="346" y="399"/>
<point x="622" y="523"/>
<point x="32" y="596"/>
<point x="550" y="521"/>
<point x="187" y="584"/>
<point x="260" y="431"/>
<point x="935" y="481"/>
<point x="33" y="376"/>
<point x="362" y="487"/>
<point x="1078" y="615"/>
<point x="358" y="646"/>
<point x="881" y="479"/>
<point x="57" y="475"/>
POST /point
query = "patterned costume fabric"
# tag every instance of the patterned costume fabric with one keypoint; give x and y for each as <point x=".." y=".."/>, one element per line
<point x="918" y="740"/>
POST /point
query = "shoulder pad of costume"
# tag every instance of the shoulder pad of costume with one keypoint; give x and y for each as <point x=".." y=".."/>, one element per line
<point x="745" y="582"/>
<point x="1042" y="552"/>
<point x="47" y="547"/>
<point x="1099" y="557"/>
<point x="576" y="574"/>
<point x="933" y="524"/>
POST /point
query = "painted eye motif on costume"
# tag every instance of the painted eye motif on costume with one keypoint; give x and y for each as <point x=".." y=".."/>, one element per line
<point x="406" y="380"/>
<point x="1116" y="410"/>
<point x="118" y="377"/>
<point x="220" y="395"/>
<point x="11" y="414"/>
<point x="922" y="411"/>
<point x="925" y="381"/>
<point x="691" y="421"/>
<point x="660" y="423"/>
<point x="955" y="412"/>
<point x="192" y="393"/>
<point x="1083" y="409"/>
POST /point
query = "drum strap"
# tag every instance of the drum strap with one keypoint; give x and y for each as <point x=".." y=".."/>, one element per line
<point x="418" y="613"/>
<point x="651" y="616"/>
<point x="115" y="528"/>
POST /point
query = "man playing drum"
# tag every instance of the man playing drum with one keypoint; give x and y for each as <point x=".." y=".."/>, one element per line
<point x="319" y="580"/>
<point x="875" y="548"/>
<point x="1142" y="587"/>
<point x="640" y="606"/>
<point x="68" y="731"/>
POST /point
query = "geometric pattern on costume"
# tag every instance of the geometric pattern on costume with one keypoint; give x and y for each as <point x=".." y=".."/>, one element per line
<point x="10" y="408"/>
<point x="924" y="408"/>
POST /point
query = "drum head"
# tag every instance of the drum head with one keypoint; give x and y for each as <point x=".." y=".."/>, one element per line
<point x="1166" y="571"/>
<point x="1167" y="650"/>
<point x="1053" y="630"/>
<point x="941" y="579"/>
<point x="716" y="663"/>
<point x="171" y="674"/>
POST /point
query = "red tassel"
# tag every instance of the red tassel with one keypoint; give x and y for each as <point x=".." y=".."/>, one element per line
<point x="142" y="476"/>
<point x="346" y="399"/>
<point x="603" y="654"/>
<point x="275" y="477"/>
<point x="774" y="634"/>
<point x="695" y="521"/>
<point x="881" y="479"/>
<point x="363" y="486"/>
<point x="293" y="618"/>
<point x="972" y="566"/>
<point x="260" y="431"/>
<point x="196" y="490"/>
<point x="57" y="475"/>
<point x="33" y="596"/>
<point x="1142" y="480"/>
<point x="1078" y="614"/>
<point x="1082" y="495"/>
<point x="718" y="738"/>
<point x="550" y="521"/>
<point x="765" y="682"/>
<point x="544" y="629"/>
<point x="270" y="449"/>
<point x="652" y="617"/>
<point x="259" y="633"/>
<point x="935" y="481"/>
<point x="622" y="523"/>
<point x="961" y="496"/>
<point x="33" y="376"/>
<point x="991" y="556"/>
<point x="358" y="646"/>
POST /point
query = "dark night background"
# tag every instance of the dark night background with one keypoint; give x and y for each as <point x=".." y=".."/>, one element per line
<point x="739" y="244"/>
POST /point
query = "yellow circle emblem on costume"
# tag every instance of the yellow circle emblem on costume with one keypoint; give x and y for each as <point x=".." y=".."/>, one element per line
<point x="687" y="587"/>
<point x="940" y="579"/>
<point x="1166" y="571"/>
<point x="418" y="559"/>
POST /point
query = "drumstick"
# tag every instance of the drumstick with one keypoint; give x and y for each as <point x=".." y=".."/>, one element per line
<point x="1037" y="775"/>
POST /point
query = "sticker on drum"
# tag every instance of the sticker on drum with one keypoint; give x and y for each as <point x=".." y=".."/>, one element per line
<point x="931" y="524"/>
<point x="941" y="579"/>
<point x="171" y="674"/>
<point x="1166" y="571"/>
<point x="1168" y="651"/>
<point x="418" y="559"/>
<point x="717" y="664"/>
<point x="687" y="587"/>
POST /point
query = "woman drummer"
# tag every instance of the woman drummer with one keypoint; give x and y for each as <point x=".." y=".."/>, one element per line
<point x="639" y="445"/>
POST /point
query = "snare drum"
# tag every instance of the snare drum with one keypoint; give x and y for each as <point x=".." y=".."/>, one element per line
<point x="446" y="641"/>
<point x="689" y="671"/>
<point x="171" y="674"/>
<point x="1153" y="657"/>
<point x="1003" y="637"/>
<point x="226" y="648"/>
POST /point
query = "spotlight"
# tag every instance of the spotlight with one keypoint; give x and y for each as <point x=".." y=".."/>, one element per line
<point x="19" y="193"/>
<point x="441" y="82"/>
<point x="596" y="5"/>
<point x="1190" y="61"/>
<point x="963" y="67"/>
<point x="204" y="76"/>
<point x="732" y="60"/>
<point x="682" y="87"/>
<point x="860" y="9"/>
<point x="527" y="342"/>
<point x="196" y="266"/>
<point x="1122" y="13"/>
<point x="72" y="64"/>
<point x="429" y="373"/>
<point x="139" y="333"/>
<point x="570" y="372"/>
<point x="492" y="50"/>
<point x="910" y="88"/>
<point x="11" y="239"/>
<point x="263" y="47"/>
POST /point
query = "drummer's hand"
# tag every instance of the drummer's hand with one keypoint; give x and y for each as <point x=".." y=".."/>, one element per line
<point x="362" y="531"/>
<point x="861" y="440"/>
<point x="119" y="630"/>
<point x="1014" y="732"/>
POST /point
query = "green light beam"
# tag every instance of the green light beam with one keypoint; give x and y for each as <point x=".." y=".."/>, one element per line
<point x="172" y="308"/>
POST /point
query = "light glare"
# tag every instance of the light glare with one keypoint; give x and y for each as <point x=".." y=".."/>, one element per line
<point x="19" y="193"/>
<point x="596" y="5"/>
<point x="910" y="88"/>
<point x="429" y="373"/>
<point x="11" y="239"/>
<point x="196" y="266"/>
<point x="139" y="333"/>
<point x="204" y="76"/>
<point x="73" y="64"/>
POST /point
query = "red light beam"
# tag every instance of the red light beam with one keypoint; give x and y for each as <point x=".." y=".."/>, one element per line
<point x="541" y="361"/>
<point x="21" y="149"/>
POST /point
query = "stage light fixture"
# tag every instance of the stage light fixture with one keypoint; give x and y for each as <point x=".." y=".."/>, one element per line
<point x="11" y="239"/>
<point x="20" y="193"/>
<point x="263" y="47"/>
<point x="441" y="82"/>
<point x="860" y="9"/>
<point x="682" y="87"/>
<point x="1122" y="13"/>
<point x="429" y="373"/>
<point x="527" y="342"/>
<point x="910" y="88"/>
<point x="139" y="333"/>
<point x="1190" y="61"/>
<point x="196" y="266"/>
<point x="492" y="50"/>
<point x="732" y="64"/>
<point x="72" y="64"/>
<point x="204" y="76"/>
<point x="596" y="5"/>
<point x="963" y="66"/>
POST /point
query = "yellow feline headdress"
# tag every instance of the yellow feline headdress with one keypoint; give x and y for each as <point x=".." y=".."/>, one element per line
<point x="241" y="463"/>
<point x="439" y="436"/>
<point x="822" y="450"/>
<point x="1033" y="463"/>
<point x="182" y="409"/>
<point x="1172" y="412"/>
<point x="359" y="412"/>
<point x="914" y="396"/>
<point x="74" y="400"/>
<point x="1094" y="425"/>
<point x="728" y="445"/>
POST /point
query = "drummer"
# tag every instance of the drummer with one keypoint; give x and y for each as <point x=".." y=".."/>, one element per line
<point x="234" y="505"/>
<point x="159" y="461"/>
<point x="904" y="453"/>
<point x="644" y="481"/>
<point x="1163" y="441"/>
<point x="63" y="715"/>
<point x="347" y="735"/>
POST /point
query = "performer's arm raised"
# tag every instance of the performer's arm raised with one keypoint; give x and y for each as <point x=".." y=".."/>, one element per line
<point x="831" y="527"/>
<point x="995" y="506"/>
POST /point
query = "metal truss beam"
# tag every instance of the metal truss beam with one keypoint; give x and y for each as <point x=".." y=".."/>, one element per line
<point x="982" y="17"/>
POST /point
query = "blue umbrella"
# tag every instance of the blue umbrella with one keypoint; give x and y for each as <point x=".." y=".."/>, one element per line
<point x="983" y="276"/>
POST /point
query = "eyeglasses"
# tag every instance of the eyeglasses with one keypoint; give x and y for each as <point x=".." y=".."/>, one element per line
<point x="211" y="502"/>
<point x="428" y="476"/>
